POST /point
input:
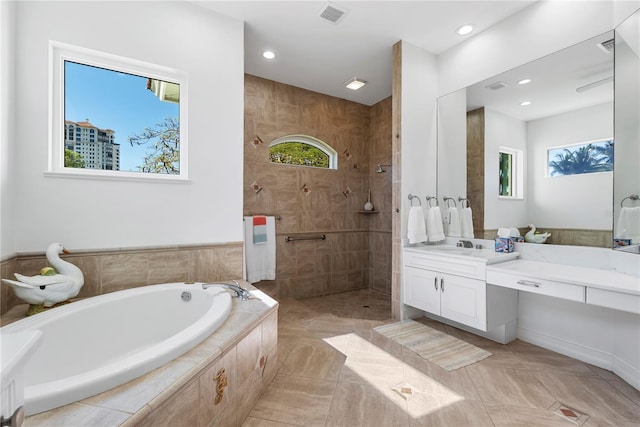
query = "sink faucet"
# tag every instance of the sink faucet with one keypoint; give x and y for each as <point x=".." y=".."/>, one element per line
<point x="241" y="292"/>
<point x="465" y="244"/>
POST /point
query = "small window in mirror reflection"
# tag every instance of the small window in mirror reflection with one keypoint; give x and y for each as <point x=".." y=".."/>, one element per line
<point x="583" y="158"/>
<point x="510" y="173"/>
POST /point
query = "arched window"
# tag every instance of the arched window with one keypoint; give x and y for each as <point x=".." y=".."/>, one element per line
<point x="303" y="150"/>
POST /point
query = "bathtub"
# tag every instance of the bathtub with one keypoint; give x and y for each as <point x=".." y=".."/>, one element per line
<point x="95" y="344"/>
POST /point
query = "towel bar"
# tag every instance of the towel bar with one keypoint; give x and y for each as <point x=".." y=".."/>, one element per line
<point x="411" y="197"/>
<point x="429" y="198"/>
<point x="446" y="201"/>
<point x="294" y="238"/>
<point x="631" y="197"/>
<point x="276" y="216"/>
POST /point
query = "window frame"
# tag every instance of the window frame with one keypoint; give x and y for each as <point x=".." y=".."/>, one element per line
<point x="517" y="173"/>
<point x="309" y="140"/>
<point x="61" y="52"/>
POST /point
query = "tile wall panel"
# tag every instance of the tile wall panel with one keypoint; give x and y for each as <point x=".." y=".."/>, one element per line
<point x="343" y="261"/>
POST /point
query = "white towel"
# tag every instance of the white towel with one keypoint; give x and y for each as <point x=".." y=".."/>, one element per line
<point x="629" y="224"/>
<point x="466" y="223"/>
<point x="453" y="223"/>
<point x="435" y="231"/>
<point x="416" y="229"/>
<point x="260" y="259"/>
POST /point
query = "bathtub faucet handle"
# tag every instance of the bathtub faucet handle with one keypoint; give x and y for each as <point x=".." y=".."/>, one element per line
<point x="241" y="292"/>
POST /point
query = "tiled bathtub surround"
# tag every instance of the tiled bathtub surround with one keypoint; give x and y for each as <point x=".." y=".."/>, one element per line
<point x="113" y="270"/>
<point x="183" y="392"/>
<point x="356" y="253"/>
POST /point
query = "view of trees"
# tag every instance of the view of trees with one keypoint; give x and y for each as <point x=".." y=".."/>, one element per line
<point x="298" y="153"/>
<point x="73" y="159"/>
<point x="163" y="152"/>
<point x="588" y="158"/>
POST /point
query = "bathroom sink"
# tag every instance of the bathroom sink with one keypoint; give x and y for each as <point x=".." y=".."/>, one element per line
<point x="488" y="256"/>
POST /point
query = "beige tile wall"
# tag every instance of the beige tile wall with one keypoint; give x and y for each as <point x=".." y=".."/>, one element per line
<point x="109" y="271"/>
<point x="342" y="261"/>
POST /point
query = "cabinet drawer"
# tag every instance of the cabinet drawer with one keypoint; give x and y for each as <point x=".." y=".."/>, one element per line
<point x="615" y="300"/>
<point x="471" y="269"/>
<point x="537" y="286"/>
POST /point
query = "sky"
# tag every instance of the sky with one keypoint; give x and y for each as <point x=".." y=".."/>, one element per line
<point x="117" y="101"/>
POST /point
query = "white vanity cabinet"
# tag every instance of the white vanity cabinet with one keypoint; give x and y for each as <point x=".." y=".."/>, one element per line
<point x="452" y="285"/>
<point x="457" y="298"/>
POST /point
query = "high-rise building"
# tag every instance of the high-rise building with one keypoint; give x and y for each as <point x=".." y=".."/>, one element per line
<point x="95" y="145"/>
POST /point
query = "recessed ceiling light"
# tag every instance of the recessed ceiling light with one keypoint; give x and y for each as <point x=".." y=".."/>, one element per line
<point x="465" y="29"/>
<point x="525" y="103"/>
<point x="355" y="83"/>
<point x="524" y="81"/>
<point x="267" y="54"/>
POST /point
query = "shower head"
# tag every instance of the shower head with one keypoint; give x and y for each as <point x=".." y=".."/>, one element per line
<point x="379" y="168"/>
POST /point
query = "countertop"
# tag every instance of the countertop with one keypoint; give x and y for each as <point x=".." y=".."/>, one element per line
<point x="583" y="276"/>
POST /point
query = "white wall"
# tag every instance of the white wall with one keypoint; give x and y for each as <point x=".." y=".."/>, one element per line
<point x="88" y="213"/>
<point x="419" y="91"/>
<point x="554" y="201"/>
<point x="7" y="96"/>
<point x="502" y="131"/>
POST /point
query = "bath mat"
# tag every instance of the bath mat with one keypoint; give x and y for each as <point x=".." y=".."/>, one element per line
<point x="442" y="349"/>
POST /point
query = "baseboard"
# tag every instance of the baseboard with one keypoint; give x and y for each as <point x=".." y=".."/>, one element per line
<point x="627" y="372"/>
<point x="599" y="358"/>
<point x="581" y="352"/>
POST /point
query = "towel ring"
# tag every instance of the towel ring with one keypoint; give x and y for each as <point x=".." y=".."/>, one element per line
<point x="411" y="197"/>
<point x="464" y="199"/>
<point x="631" y="197"/>
<point x="447" y="199"/>
<point x="429" y="198"/>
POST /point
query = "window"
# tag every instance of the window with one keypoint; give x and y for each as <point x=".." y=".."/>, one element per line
<point x="137" y="111"/>
<point x="586" y="157"/>
<point x="303" y="150"/>
<point x="510" y="173"/>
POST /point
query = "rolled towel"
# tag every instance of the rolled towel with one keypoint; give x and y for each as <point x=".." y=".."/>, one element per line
<point x="453" y="223"/>
<point x="466" y="223"/>
<point x="416" y="229"/>
<point x="435" y="231"/>
<point x="629" y="224"/>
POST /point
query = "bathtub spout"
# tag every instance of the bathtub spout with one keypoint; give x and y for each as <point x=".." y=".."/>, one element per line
<point x="241" y="292"/>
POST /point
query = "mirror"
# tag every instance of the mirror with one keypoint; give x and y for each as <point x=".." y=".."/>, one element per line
<point x="627" y="133"/>
<point x="502" y="142"/>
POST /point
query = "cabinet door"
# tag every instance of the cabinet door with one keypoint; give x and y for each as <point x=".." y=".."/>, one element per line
<point x="421" y="289"/>
<point x="464" y="300"/>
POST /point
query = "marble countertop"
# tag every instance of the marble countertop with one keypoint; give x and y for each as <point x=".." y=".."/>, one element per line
<point x="485" y="255"/>
<point x="583" y="276"/>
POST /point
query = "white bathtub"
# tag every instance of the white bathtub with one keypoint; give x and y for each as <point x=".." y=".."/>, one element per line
<point x="95" y="344"/>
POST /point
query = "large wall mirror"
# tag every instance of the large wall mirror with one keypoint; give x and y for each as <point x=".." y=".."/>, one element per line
<point x="535" y="145"/>
<point x="626" y="206"/>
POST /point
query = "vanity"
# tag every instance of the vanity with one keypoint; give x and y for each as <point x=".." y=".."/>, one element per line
<point x="449" y="283"/>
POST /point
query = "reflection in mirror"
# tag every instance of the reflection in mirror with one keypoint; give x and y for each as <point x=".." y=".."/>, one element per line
<point x="560" y="100"/>
<point x="627" y="133"/>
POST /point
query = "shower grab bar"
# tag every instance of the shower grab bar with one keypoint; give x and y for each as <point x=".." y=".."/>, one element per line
<point x="631" y="197"/>
<point x="464" y="199"/>
<point x="276" y="216"/>
<point x="295" y="238"/>
<point x="446" y="201"/>
<point x="429" y="198"/>
<point x="411" y="197"/>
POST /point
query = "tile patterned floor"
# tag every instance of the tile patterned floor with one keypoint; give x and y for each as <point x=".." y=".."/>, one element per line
<point x="334" y="370"/>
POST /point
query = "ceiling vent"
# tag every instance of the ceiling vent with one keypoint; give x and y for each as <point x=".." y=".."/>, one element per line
<point x="607" y="46"/>
<point x="497" y="85"/>
<point x="332" y="13"/>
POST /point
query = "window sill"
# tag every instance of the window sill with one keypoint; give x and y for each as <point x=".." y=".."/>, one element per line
<point x="119" y="176"/>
